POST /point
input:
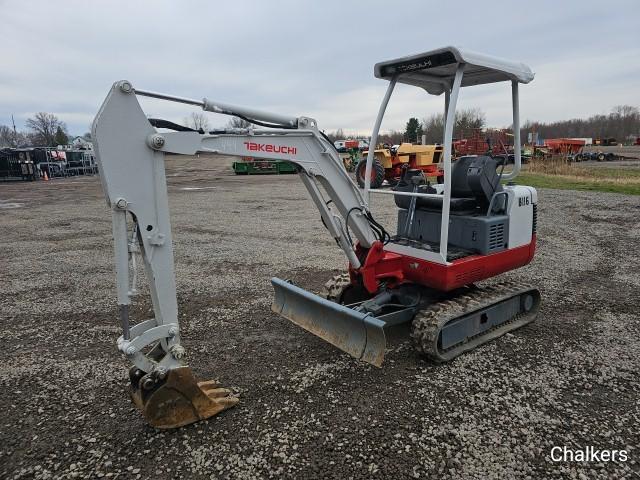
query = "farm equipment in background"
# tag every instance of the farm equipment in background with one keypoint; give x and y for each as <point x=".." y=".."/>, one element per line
<point x="257" y="166"/>
<point x="343" y="146"/>
<point x="350" y="154"/>
<point x="593" y="156"/>
<point x="491" y="142"/>
<point x="17" y="165"/>
<point x="567" y="148"/>
<point x="564" y="146"/>
<point x="605" y="142"/>
<point x="571" y="150"/>
<point x="449" y="236"/>
<point x="390" y="163"/>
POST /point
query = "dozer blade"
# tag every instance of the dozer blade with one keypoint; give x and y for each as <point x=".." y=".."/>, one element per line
<point x="179" y="399"/>
<point x="361" y="335"/>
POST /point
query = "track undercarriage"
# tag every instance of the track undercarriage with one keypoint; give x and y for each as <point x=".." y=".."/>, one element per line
<point x="472" y="317"/>
<point x="443" y="325"/>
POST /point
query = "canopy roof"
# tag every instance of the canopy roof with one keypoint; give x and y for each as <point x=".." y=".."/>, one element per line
<point x="435" y="70"/>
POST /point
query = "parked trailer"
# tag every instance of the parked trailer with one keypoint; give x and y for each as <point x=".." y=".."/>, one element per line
<point x="16" y="165"/>
<point x="476" y="141"/>
<point x="564" y="146"/>
<point x="252" y="166"/>
<point x="80" y="162"/>
<point x="598" y="156"/>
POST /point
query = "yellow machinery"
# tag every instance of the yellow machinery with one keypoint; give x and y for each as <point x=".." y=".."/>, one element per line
<point x="389" y="162"/>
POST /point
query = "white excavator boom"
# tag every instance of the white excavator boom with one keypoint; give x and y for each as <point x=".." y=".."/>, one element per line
<point x="130" y="154"/>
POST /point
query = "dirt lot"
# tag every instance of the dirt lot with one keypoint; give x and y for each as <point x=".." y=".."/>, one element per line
<point x="307" y="410"/>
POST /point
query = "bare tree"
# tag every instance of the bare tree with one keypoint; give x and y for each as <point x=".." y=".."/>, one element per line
<point x="337" y="135"/>
<point x="237" y="122"/>
<point x="6" y="137"/>
<point x="469" y="119"/>
<point x="197" y="121"/>
<point x="11" y="138"/>
<point x="466" y="120"/>
<point x="623" y="124"/>
<point x="433" y="128"/>
<point x="391" y="137"/>
<point x="44" y="127"/>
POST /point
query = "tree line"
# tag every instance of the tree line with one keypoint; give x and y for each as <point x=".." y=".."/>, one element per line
<point x="622" y="123"/>
<point x="47" y="130"/>
<point x="43" y="130"/>
<point x="432" y="127"/>
<point x="199" y="121"/>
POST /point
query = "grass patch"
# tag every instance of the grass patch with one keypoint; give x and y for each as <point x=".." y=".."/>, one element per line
<point x="563" y="175"/>
<point x="630" y="174"/>
<point x="567" y="182"/>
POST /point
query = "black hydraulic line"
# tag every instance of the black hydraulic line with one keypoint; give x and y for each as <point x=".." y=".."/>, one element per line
<point x="161" y="123"/>
<point x="384" y="237"/>
<point x="500" y="176"/>
<point x="347" y="223"/>
<point x="322" y="218"/>
<point x="381" y="233"/>
<point x="330" y="142"/>
<point x="378" y="229"/>
<point x="400" y="305"/>
<point x="506" y="152"/>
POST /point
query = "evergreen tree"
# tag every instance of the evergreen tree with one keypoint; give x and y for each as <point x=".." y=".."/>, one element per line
<point x="413" y="131"/>
<point x="60" y="137"/>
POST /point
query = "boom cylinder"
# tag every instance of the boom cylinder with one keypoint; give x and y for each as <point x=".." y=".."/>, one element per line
<point x="224" y="108"/>
<point x="227" y="109"/>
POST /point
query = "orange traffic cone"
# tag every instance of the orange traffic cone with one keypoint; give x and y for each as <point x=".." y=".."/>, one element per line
<point x="46" y="177"/>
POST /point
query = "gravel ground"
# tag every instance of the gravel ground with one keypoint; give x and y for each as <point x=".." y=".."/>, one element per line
<point x="307" y="410"/>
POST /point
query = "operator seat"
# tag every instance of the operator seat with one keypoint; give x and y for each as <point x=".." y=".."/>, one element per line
<point x="474" y="181"/>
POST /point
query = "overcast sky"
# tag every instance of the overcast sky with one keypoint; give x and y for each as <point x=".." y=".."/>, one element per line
<point x="311" y="58"/>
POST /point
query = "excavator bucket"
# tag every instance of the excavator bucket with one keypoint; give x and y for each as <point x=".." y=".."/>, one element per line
<point x="179" y="399"/>
<point x="361" y="335"/>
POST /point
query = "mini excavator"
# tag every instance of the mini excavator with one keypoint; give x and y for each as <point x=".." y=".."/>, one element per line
<point x="473" y="226"/>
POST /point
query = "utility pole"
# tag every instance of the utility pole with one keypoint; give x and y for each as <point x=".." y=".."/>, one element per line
<point x="15" y="133"/>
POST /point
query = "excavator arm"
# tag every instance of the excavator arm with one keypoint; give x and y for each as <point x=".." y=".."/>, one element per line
<point x="130" y="154"/>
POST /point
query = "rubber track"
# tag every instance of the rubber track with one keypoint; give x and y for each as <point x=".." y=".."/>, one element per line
<point x="336" y="286"/>
<point x="428" y="323"/>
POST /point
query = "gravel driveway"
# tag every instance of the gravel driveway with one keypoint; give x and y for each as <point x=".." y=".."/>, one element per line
<point x="307" y="410"/>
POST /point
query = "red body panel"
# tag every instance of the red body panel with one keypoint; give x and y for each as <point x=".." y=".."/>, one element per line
<point x="395" y="269"/>
<point x="564" y="145"/>
<point x="482" y="142"/>
<point x="395" y="172"/>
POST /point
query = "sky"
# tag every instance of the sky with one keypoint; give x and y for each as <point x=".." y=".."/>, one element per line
<point x="311" y="58"/>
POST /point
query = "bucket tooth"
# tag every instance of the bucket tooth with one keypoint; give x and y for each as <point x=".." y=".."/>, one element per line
<point x="361" y="335"/>
<point x="179" y="399"/>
